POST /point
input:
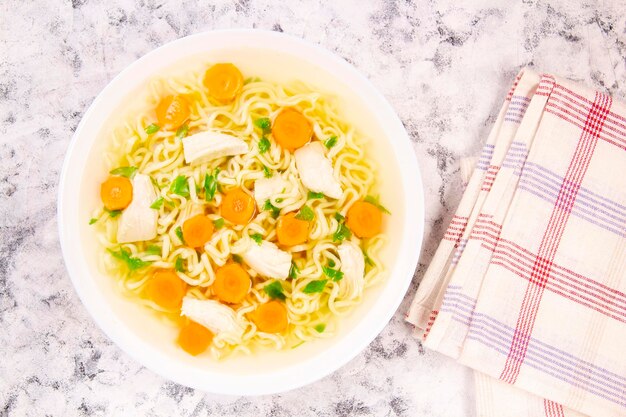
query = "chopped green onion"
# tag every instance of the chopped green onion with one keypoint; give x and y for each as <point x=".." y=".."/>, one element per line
<point x="257" y="237"/>
<point x="131" y="262"/>
<point x="153" y="128"/>
<point x="210" y="184"/>
<point x="157" y="203"/>
<point x="264" y="145"/>
<point x="315" y="286"/>
<point x="179" y="233"/>
<point x="376" y="201"/>
<point x="330" y="142"/>
<point x="218" y="223"/>
<point x="237" y="258"/>
<point x="306" y="213"/>
<point x="182" y="131"/>
<point x="320" y="327"/>
<point x="92" y="220"/>
<point x="268" y="206"/>
<point x="128" y="172"/>
<point x="153" y="250"/>
<point x="180" y="186"/>
<point x="113" y="213"/>
<point x="178" y="265"/>
<point x="293" y="270"/>
<point x="339" y="217"/>
<point x="275" y="290"/>
<point x="264" y="124"/>
<point x="312" y="195"/>
<point x="342" y="233"/>
<point x="333" y="274"/>
<point x="267" y="172"/>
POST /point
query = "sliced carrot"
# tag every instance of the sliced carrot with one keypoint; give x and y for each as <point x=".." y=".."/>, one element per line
<point x="166" y="289"/>
<point x="364" y="219"/>
<point x="173" y="111"/>
<point x="116" y="193"/>
<point x="194" y="338"/>
<point x="292" y="231"/>
<point x="232" y="283"/>
<point x="224" y="82"/>
<point x="197" y="230"/>
<point x="271" y="317"/>
<point x="291" y="129"/>
<point x="237" y="206"/>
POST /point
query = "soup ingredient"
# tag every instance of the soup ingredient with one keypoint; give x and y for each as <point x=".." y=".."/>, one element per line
<point x="306" y="213"/>
<point x="116" y="193"/>
<point x="316" y="170"/>
<point x="353" y="268"/>
<point x="291" y="129"/>
<point x="131" y="262"/>
<point x="364" y="219"/>
<point x="153" y="128"/>
<point x="376" y="201"/>
<point x="271" y="317"/>
<point x="207" y="146"/>
<point x="213" y="315"/>
<point x="232" y="283"/>
<point x="194" y="338"/>
<point x="173" y="111"/>
<point x="291" y="230"/>
<point x="210" y="185"/>
<point x="265" y="188"/>
<point x="315" y="286"/>
<point x="197" y="230"/>
<point x="268" y="260"/>
<point x="166" y="289"/>
<point x="224" y="82"/>
<point x="128" y="172"/>
<point x="180" y="186"/>
<point x="237" y="206"/>
<point x="330" y="142"/>
<point x="275" y="290"/>
<point x="139" y="221"/>
<point x="264" y="123"/>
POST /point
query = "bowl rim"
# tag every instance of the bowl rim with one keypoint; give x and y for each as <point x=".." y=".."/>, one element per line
<point x="296" y="375"/>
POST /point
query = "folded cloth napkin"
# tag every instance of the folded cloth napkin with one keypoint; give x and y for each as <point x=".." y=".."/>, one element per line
<point x="528" y="285"/>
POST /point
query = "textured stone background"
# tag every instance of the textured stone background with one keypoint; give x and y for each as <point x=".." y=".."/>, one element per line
<point x="444" y="66"/>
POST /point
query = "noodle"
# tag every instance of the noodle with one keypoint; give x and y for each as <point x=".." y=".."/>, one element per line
<point x="160" y="155"/>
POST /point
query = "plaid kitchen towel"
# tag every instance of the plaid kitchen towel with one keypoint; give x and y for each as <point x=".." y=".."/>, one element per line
<point x="422" y="311"/>
<point x="539" y="301"/>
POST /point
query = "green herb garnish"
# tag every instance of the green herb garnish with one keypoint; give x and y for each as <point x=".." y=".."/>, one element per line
<point x="182" y="131"/>
<point x="210" y="184"/>
<point x="315" y="286"/>
<point x="153" y="128"/>
<point x="264" y="145"/>
<point x="264" y="124"/>
<point x="330" y="142"/>
<point x="128" y="172"/>
<point x="331" y="263"/>
<point x="257" y="237"/>
<point x="312" y="195"/>
<point x="218" y="223"/>
<point x="157" y="203"/>
<point x="178" y="265"/>
<point x="368" y="260"/>
<point x="252" y="80"/>
<point x="131" y="262"/>
<point x="293" y="270"/>
<point x="113" y="213"/>
<point x="376" y="201"/>
<point x="268" y="206"/>
<point x="333" y="274"/>
<point x="306" y="213"/>
<point x="153" y="250"/>
<point x="180" y="186"/>
<point x="237" y="258"/>
<point x="179" y="233"/>
<point x="92" y="220"/>
<point x="320" y="327"/>
<point x="339" y="217"/>
<point x="342" y="233"/>
<point x="267" y="172"/>
<point x="275" y="290"/>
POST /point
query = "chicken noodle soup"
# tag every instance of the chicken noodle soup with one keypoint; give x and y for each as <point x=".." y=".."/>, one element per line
<point x="242" y="212"/>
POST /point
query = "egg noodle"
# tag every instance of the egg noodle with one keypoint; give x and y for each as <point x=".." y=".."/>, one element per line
<point x="160" y="155"/>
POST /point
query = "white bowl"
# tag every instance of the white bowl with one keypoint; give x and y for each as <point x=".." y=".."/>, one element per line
<point x="276" y="57"/>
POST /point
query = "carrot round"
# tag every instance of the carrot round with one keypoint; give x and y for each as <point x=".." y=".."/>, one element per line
<point x="271" y="317"/>
<point x="197" y="230"/>
<point x="194" y="338"/>
<point x="173" y="111"/>
<point x="232" y="283"/>
<point x="291" y="231"/>
<point x="116" y="193"/>
<point x="166" y="289"/>
<point x="237" y="206"/>
<point x="224" y="82"/>
<point x="364" y="219"/>
<point x="291" y="129"/>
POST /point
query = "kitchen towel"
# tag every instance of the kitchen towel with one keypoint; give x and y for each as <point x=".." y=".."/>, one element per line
<point x="534" y="291"/>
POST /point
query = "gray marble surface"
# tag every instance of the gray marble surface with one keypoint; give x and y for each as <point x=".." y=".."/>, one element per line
<point x="444" y="66"/>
